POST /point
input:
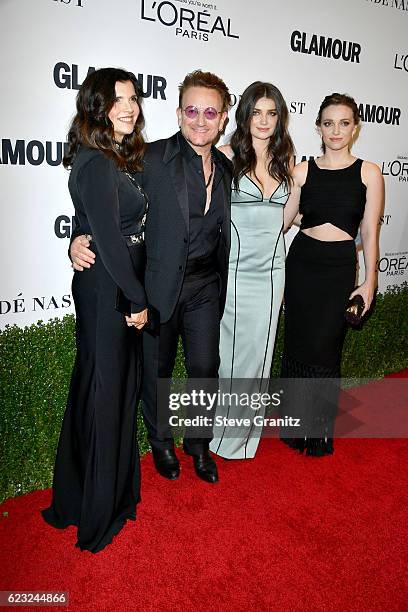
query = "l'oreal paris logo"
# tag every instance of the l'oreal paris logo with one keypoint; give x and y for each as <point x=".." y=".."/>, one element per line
<point x="393" y="264"/>
<point x="398" y="168"/>
<point x="188" y="23"/>
<point x="401" y="61"/>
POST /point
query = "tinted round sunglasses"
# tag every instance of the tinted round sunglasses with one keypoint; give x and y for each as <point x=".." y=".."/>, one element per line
<point x="210" y="113"/>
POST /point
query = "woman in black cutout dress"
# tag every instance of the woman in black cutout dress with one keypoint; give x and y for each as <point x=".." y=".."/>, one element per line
<point x="97" y="475"/>
<point x="334" y="194"/>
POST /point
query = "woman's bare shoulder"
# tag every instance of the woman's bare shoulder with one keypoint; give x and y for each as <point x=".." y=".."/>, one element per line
<point x="299" y="173"/>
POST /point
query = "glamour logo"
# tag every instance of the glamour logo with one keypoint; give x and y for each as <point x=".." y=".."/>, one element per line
<point x="401" y="5"/>
<point x="371" y="113"/>
<point x="401" y="61"/>
<point x="33" y="152"/>
<point x="197" y="25"/>
<point x="398" y="168"/>
<point x="323" y="46"/>
<point x="66" y="77"/>
<point x="63" y="226"/>
<point x="393" y="264"/>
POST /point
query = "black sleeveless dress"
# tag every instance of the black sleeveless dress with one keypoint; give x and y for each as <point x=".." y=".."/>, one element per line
<point x="319" y="279"/>
<point x="97" y="475"/>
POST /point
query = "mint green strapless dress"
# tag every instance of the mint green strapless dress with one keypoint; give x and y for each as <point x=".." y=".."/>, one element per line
<point x="256" y="281"/>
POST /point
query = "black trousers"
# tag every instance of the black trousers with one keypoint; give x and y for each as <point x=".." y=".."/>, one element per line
<point x="196" y="319"/>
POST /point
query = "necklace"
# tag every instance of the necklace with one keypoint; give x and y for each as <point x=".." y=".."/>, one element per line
<point x="211" y="174"/>
<point x="142" y="192"/>
<point x="135" y="183"/>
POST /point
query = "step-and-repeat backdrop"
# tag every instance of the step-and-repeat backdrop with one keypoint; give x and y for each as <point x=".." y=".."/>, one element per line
<point x="308" y="48"/>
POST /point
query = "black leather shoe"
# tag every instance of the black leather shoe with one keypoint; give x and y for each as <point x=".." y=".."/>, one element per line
<point x="166" y="463"/>
<point x="205" y="467"/>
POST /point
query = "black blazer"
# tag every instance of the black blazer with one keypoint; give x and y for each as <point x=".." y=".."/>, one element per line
<point x="167" y="226"/>
<point x="109" y="207"/>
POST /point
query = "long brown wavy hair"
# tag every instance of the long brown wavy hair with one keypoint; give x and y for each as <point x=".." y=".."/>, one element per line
<point x="92" y="127"/>
<point x="280" y="148"/>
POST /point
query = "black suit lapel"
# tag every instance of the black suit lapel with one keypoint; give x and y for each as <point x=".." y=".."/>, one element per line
<point x="226" y="189"/>
<point x="176" y="170"/>
<point x="227" y="180"/>
<point x="174" y="160"/>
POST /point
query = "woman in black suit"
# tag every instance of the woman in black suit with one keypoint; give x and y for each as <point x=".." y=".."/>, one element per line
<point x="97" y="475"/>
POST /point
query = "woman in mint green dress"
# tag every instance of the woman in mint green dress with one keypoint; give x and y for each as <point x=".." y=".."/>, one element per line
<point x="262" y="153"/>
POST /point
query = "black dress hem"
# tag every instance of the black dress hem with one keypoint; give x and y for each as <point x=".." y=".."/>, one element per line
<point x="115" y="528"/>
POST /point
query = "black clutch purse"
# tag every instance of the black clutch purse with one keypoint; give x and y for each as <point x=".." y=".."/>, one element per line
<point x="354" y="310"/>
<point x="153" y="316"/>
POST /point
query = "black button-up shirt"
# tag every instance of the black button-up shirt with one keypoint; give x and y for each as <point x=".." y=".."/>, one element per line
<point x="204" y="229"/>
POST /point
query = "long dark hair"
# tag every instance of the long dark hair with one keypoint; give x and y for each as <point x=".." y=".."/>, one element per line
<point x="280" y="148"/>
<point x="92" y="127"/>
<point x="334" y="99"/>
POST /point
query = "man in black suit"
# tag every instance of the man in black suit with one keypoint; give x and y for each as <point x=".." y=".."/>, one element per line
<point x="188" y="183"/>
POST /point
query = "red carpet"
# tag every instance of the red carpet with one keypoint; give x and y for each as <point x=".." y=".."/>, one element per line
<point x="281" y="532"/>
